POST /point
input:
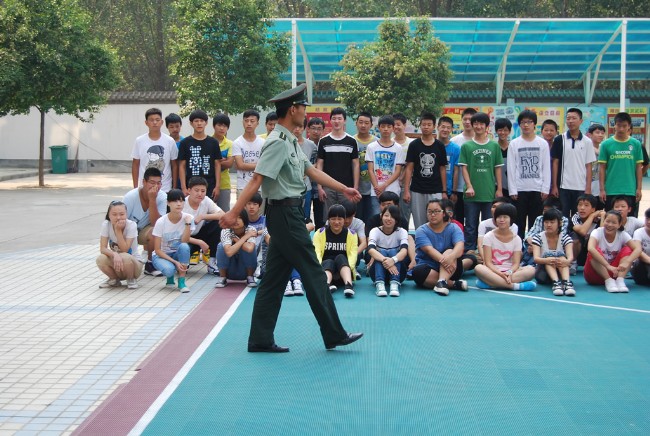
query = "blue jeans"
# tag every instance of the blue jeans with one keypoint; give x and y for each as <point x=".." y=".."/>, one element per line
<point x="237" y="264"/>
<point x="378" y="273"/>
<point x="308" y="203"/>
<point x="166" y="267"/>
<point x="474" y="209"/>
<point x="364" y="208"/>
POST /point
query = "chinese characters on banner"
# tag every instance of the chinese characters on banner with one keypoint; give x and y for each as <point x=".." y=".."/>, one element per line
<point x="639" y="116"/>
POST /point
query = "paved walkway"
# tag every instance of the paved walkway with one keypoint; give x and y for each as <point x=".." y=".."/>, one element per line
<point x="65" y="345"/>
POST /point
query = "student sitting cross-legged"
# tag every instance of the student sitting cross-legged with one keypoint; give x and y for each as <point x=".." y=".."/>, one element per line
<point x="336" y="250"/>
<point x="236" y="255"/>
<point x="388" y="246"/>
<point x="553" y="254"/>
<point x="439" y="252"/>
<point x="502" y="256"/>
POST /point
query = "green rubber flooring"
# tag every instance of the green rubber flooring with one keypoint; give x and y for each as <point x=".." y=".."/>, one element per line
<point x="476" y="363"/>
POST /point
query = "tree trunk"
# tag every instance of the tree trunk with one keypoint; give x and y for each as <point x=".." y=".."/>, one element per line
<point x="41" y="153"/>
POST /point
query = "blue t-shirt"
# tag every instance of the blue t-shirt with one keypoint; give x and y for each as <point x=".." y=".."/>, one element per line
<point x="442" y="241"/>
<point x="453" y="154"/>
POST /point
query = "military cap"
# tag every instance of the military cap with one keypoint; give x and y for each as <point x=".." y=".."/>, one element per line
<point x="292" y="96"/>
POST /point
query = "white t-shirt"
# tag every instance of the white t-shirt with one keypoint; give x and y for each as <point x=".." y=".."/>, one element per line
<point x="171" y="233"/>
<point x="381" y="240"/>
<point x="642" y="235"/>
<point x="205" y="207"/>
<point x="633" y="223"/>
<point x="529" y="166"/>
<point x="610" y="249"/>
<point x="459" y="140"/>
<point x="250" y="153"/>
<point x="156" y="154"/>
<point x="385" y="160"/>
<point x="129" y="232"/>
<point x="502" y="252"/>
<point x="574" y="158"/>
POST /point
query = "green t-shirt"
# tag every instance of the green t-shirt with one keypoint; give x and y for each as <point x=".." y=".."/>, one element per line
<point x="621" y="158"/>
<point x="283" y="165"/>
<point x="481" y="160"/>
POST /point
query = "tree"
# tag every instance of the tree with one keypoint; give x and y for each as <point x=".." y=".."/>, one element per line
<point x="401" y="72"/>
<point x="224" y="57"/>
<point x="51" y="63"/>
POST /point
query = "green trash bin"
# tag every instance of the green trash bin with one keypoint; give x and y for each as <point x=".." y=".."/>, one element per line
<point x="59" y="159"/>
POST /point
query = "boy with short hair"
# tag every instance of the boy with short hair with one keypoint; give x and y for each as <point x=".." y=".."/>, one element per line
<point x="364" y="138"/>
<point x="445" y="127"/>
<point x="481" y="162"/>
<point x="385" y="160"/>
<point x="257" y="221"/>
<point x="529" y="171"/>
<point x="399" y="135"/>
<point x="206" y="233"/>
<point x="246" y="149"/>
<point x="221" y="124"/>
<point x="458" y="187"/>
<point x="596" y="133"/>
<point x="269" y="123"/>
<point x="310" y="149"/>
<point x="583" y="222"/>
<point x="623" y="205"/>
<point x="154" y="149"/>
<point x="315" y="130"/>
<point x="503" y="127"/>
<point x="173" y="123"/>
<point x="200" y="156"/>
<point x="572" y="154"/>
<point x="620" y="160"/>
<point x="549" y="131"/>
<point x="426" y="171"/>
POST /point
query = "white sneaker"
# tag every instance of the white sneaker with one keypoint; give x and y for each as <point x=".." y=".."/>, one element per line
<point x="132" y="284"/>
<point x="297" y="288"/>
<point x="250" y="282"/>
<point x="557" y="288"/>
<point x="611" y="286"/>
<point x="184" y="290"/>
<point x="394" y="289"/>
<point x="332" y="288"/>
<point x="569" y="290"/>
<point x="622" y="287"/>
<point x="441" y="288"/>
<point x="288" y="291"/>
<point x="380" y="289"/>
<point x="110" y="283"/>
<point x="348" y="292"/>
<point x="221" y="282"/>
<point x="212" y="266"/>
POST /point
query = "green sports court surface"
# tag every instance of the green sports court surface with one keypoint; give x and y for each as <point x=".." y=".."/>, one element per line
<point x="481" y="362"/>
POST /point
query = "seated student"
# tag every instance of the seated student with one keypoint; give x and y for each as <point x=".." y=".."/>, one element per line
<point x="449" y="209"/>
<point x="553" y="254"/>
<point x="641" y="268"/>
<point x="117" y="246"/>
<point x="336" y="250"/>
<point x="611" y="253"/>
<point x="538" y="227"/>
<point x="354" y="223"/>
<point x="622" y="205"/>
<point x="206" y="213"/>
<point x="171" y="236"/>
<point x="439" y="246"/>
<point x="469" y="260"/>
<point x="236" y="255"/>
<point x="388" y="246"/>
<point x="502" y="256"/>
<point x="490" y="224"/>
<point x="583" y="222"/>
<point x="258" y="221"/>
<point x="386" y="199"/>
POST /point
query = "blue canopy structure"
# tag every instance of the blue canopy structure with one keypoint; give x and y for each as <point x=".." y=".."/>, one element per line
<point x="494" y="51"/>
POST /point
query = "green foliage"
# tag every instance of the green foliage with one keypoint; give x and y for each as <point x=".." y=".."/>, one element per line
<point x="224" y="58"/>
<point x="49" y="61"/>
<point x="401" y="72"/>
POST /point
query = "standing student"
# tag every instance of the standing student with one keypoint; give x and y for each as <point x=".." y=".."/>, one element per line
<point x="221" y="124"/>
<point x="501" y="267"/>
<point x="154" y="149"/>
<point x="641" y="268"/>
<point x="611" y="254"/>
<point x="338" y="157"/>
<point x="171" y="236"/>
<point x="364" y="138"/>
<point x="553" y="254"/>
<point x="529" y="171"/>
<point x="280" y="172"/>
<point x="620" y="160"/>
<point x="597" y="135"/>
<point x="311" y="151"/>
<point x="388" y="246"/>
<point x="385" y="161"/>
<point x="399" y="135"/>
<point x="426" y="171"/>
<point x="572" y="154"/>
<point x="458" y="187"/>
<point x="481" y="162"/>
<point x="269" y="123"/>
<point x="315" y="130"/>
<point x="452" y="150"/>
<point x="118" y="246"/>
<point x="503" y="127"/>
<point x="549" y="131"/>
<point x="173" y="123"/>
<point x="246" y="149"/>
<point x="200" y="156"/>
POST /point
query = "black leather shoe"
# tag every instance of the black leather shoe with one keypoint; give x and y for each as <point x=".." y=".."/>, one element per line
<point x="351" y="337"/>
<point x="255" y="348"/>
